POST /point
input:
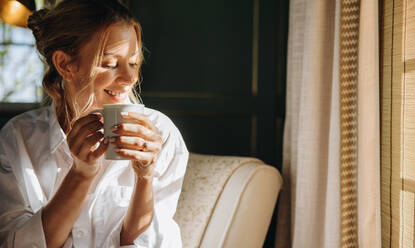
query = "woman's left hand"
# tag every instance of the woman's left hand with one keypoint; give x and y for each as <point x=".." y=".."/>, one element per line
<point x="139" y="141"/>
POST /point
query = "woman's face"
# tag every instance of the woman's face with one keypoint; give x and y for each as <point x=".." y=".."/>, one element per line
<point x="118" y="71"/>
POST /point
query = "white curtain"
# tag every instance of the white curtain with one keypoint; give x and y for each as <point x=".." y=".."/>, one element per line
<point x="309" y="209"/>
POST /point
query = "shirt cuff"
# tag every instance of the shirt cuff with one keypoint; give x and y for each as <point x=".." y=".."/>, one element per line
<point x="31" y="233"/>
<point x="141" y="241"/>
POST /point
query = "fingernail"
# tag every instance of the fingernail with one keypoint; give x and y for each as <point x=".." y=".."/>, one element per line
<point x="115" y="127"/>
<point x="124" y="113"/>
<point x="117" y="149"/>
<point x="105" y="140"/>
<point x="112" y="139"/>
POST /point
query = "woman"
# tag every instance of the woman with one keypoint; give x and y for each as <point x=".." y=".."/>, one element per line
<point x="55" y="187"/>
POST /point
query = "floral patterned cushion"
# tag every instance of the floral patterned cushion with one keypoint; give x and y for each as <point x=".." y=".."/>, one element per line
<point x="204" y="181"/>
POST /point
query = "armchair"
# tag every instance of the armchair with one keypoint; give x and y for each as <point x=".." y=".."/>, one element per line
<point x="226" y="201"/>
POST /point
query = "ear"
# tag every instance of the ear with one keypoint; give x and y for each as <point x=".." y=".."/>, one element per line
<point x="64" y="65"/>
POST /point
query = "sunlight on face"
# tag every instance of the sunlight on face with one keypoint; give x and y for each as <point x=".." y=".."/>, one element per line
<point x="117" y="73"/>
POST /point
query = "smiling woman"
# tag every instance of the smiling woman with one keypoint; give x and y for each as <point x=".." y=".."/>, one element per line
<point x="56" y="189"/>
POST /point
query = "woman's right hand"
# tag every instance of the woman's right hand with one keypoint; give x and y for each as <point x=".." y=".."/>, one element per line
<point x="82" y="140"/>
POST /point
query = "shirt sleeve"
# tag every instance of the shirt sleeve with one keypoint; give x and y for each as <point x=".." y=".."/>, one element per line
<point x="19" y="225"/>
<point x="169" y="173"/>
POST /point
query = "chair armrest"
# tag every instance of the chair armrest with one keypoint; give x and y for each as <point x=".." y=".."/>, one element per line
<point x="244" y="209"/>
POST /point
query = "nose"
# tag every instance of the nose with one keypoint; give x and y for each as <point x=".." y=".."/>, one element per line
<point x="128" y="75"/>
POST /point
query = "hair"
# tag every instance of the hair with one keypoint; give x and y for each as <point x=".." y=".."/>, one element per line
<point x="68" y="27"/>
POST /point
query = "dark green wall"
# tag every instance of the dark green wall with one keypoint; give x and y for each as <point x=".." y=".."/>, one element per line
<point x="199" y="70"/>
<point x="9" y="110"/>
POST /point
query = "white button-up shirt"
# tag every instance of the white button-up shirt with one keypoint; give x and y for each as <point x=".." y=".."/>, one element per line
<point x="35" y="158"/>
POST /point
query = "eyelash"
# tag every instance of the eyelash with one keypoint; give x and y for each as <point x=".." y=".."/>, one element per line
<point x="110" y="67"/>
<point x="113" y="67"/>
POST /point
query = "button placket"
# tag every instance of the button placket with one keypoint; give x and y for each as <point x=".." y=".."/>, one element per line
<point x="81" y="229"/>
<point x="80" y="238"/>
<point x="80" y="233"/>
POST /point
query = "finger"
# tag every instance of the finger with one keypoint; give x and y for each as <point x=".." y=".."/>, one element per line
<point x="133" y="129"/>
<point x="128" y="142"/>
<point x="139" y="118"/>
<point x="83" y="121"/>
<point x="87" y="130"/>
<point x="88" y="144"/>
<point x="100" y="150"/>
<point x="143" y="157"/>
<point x="80" y="123"/>
<point x="136" y="143"/>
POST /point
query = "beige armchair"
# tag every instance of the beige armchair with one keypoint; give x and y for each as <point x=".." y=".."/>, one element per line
<point x="226" y="201"/>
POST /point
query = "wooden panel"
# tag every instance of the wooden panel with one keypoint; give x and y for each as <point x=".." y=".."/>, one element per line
<point x="224" y="57"/>
<point x="217" y="104"/>
<point x="197" y="46"/>
<point x="217" y="69"/>
<point x="235" y="133"/>
<point x="201" y="68"/>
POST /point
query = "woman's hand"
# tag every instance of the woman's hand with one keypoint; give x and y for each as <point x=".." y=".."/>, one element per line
<point x="86" y="144"/>
<point x="138" y="141"/>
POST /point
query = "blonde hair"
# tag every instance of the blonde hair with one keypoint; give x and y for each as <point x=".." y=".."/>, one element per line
<point x="68" y="27"/>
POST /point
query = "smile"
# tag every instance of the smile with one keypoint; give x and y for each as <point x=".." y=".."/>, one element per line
<point x="116" y="94"/>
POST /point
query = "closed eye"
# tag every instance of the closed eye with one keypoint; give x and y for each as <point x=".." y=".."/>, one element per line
<point x="111" y="66"/>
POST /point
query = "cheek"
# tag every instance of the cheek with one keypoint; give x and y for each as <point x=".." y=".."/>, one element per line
<point x="74" y="87"/>
<point x="102" y="80"/>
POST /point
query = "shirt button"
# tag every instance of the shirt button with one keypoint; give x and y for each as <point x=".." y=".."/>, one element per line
<point x="80" y="233"/>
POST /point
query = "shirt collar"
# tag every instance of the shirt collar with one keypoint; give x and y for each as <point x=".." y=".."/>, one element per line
<point x="56" y="134"/>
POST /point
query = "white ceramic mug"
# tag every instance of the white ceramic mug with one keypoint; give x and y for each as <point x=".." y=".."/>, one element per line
<point x="112" y="116"/>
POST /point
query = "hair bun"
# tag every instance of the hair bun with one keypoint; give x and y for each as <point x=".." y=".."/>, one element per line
<point x="35" y="21"/>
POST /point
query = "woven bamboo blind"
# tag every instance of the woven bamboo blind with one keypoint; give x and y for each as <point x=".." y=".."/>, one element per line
<point x="398" y="123"/>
